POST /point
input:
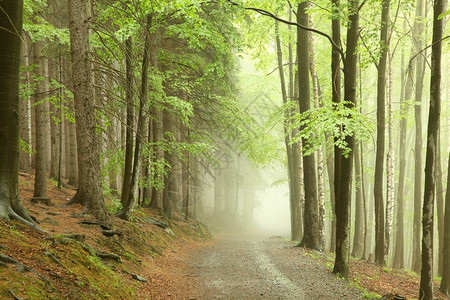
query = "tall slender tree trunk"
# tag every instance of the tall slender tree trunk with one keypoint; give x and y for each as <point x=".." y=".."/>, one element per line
<point x="399" y="252"/>
<point x="381" y="117"/>
<point x="317" y="95"/>
<point x="90" y="181"/>
<point x="358" y="237"/>
<point x="426" y="274"/>
<point x="366" y="248"/>
<point x="158" y="154"/>
<point x="294" y="187"/>
<point x="25" y="113"/>
<point x="311" y="232"/>
<point x="445" y="282"/>
<point x="129" y="201"/>
<point x="440" y="205"/>
<point x="40" y="182"/>
<point x="54" y="124"/>
<point x="296" y="161"/>
<point x="129" y="98"/>
<point x="390" y="164"/>
<point x="336" y="98"/>
<point x="420" y="69"/>
<point x="343" y="189"/>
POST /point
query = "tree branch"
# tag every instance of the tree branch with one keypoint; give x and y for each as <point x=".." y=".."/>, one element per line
<point x="273" y="16"/>
<point x="444" y="38"/>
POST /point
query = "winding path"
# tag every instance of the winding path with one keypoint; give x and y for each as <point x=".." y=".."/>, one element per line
<point x="239" y="268"/>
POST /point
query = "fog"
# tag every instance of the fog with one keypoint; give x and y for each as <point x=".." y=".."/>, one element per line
<point x="272" y="214"/>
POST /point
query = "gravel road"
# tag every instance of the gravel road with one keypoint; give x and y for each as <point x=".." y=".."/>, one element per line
<point x="261" y="268"/>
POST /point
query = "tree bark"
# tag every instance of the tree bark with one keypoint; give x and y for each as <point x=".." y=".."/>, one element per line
<point x="317" y="95"/>
<point x="399" y="252"/>
<point x="127" y="172"/>
<point x="379" y="163"/>
<point x="358" y="237"/>
<point x="390" y="165"/>
<point x="334" y="172"/>
<point x="311" y="232"/>
<point x="426" y="274"/>
<point x="294" y="187"/>
<point x="440" y="206"/>
<point x="90" y="182"/>
<point x="40" y="182"/>
<point x="445" y="282"/>
<point x="25" y="113"/>
<point x="420" y="69"/>
<point x="343" y="189"/>
<point x="10" y="32"/>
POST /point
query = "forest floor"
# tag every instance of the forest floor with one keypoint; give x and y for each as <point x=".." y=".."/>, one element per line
<point x="141" y="260"/>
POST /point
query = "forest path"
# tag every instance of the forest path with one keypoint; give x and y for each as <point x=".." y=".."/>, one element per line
<point x="243" y="267"/>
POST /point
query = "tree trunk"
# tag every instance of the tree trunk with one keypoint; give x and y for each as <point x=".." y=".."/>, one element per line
<point x="40" y="182"/>
<point x="129" y="99"/>
<point x="294" y="192"/>
<point x="343" y="190"/>
<point x="445" y="282"/>
<point x="440" y="205"/>
<point x="366" y="248"/>
<point x="399" y="252"/>
<point x="158" y="152"/>
<point x="25" y="114"/>
<point x="317" y="95"/>
<point x="10" y="32"/>
<point x="311" y="213"/>
<point x="334" y="172"/>
<point x="379" y="163"/>
<point x="55" y="122"/>
<point x="72" y="149"/>
<point x="420" y="69"/>
<point x="358" y="237"/>
<point x="390" y="165"/>
<point x="90" y="181"/>
<point x="426" y="274"/>
<point x="129" y="200"/>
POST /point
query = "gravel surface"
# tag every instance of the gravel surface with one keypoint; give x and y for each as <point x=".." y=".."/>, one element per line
<point x="261" y="268"/>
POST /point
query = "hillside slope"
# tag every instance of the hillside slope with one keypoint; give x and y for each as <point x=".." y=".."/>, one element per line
<point x="78" y="258"/>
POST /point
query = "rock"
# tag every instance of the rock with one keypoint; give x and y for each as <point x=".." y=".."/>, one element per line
<point x="89" y="222"/>
<point x="106" y="255"/>
<point x="393" y="297"/>
<point x="156" y="222"/>
<point x="110" y="233"/>
<point x="106" y="227"/>
<point x="50" y="221"/>
<point x="138" y="277"/>
<point x="77" y="236"/>
<point x="169" y="231"/>
<point x="53" y="213"/>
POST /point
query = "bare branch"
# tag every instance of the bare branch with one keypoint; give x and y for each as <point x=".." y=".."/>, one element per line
<point x="273" y="16"/>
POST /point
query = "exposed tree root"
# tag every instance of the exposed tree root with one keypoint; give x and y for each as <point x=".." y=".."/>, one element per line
<point x="14" y="216"/>
<point x="24" y="268"/>
<point x="7" y="213"/>
<point x="75" y="200"/>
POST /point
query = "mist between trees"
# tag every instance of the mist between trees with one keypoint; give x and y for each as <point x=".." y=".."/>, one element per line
<point x="327" y="121"/>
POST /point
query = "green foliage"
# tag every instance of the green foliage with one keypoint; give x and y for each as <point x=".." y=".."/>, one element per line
<point x="337" y="121"/>
<point x="26" y="147"/>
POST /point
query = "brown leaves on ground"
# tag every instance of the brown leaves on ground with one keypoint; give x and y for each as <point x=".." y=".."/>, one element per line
<point x="382" y="280"/>
<point x="63" y="268"/>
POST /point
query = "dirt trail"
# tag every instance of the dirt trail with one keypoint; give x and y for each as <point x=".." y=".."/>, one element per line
<point x="242" y="268"/>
